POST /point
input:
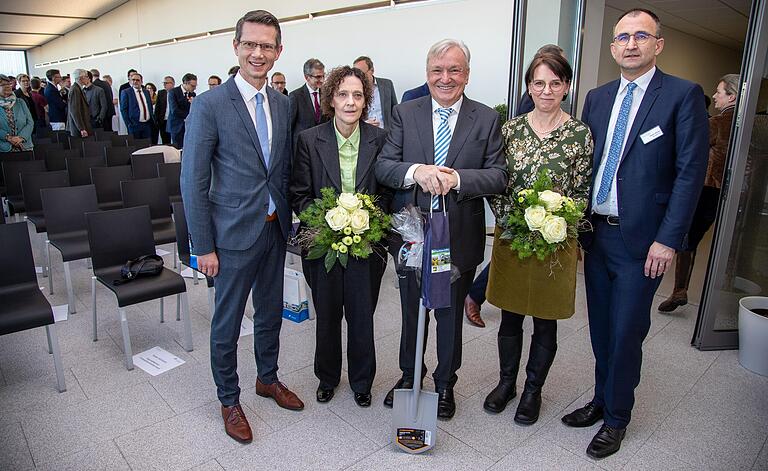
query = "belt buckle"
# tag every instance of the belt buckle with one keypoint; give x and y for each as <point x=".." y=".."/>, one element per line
<point x="612" y="220"/>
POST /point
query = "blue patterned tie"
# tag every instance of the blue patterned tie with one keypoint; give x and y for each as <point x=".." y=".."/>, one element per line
<point x="442" y="143"/>
<point x="614" y="153"/>
<point x="263" y="132"/>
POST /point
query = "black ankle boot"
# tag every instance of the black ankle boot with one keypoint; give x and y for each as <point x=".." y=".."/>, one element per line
<point x="539" y="361"/>
<point x="509" y="363"/>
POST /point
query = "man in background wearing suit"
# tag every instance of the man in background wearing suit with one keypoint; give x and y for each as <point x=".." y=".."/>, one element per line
<point x="413" y="93"/>
<point x="78" y="113"/>
<point x="136" y="108"/>
<point x="278" y="82"/>
<point x="651" y="152"/>
<point x="57" y="109"/>
<point x="161" y="108"/>
<point x="305" y="101"/>
<point x="448" y="145"/>
<point x="234" y="180"/>
<point x="97" y="102"/>
<point x="128" y="83"/>
<point x="178" y="108"/>
<point x="107" y="122"/>
<point x="384" y="98"/>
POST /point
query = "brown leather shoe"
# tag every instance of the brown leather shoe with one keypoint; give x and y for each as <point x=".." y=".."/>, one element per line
<point x="281" y="394"/>
<point x="236" y="424"/>
<point x="472" y="311"/>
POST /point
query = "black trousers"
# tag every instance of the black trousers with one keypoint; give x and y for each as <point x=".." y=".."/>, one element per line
<point x="704" y="216"/>
<point x="164" y="135"/>
<point x="349" y="293"/>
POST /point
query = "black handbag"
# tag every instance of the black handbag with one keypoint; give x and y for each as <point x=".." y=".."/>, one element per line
<point x="146" y="265"/>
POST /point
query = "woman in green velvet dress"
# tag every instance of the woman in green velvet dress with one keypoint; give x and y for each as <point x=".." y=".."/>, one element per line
<point x="547" y="138"/>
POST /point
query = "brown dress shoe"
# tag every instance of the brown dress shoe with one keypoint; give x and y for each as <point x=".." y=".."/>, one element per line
<point x="281" y="394"/>
<point x="236" y="424"/>
<point x="472" y="311"/>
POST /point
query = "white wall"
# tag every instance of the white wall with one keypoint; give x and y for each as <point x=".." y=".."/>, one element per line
<point x="397" y="39"/>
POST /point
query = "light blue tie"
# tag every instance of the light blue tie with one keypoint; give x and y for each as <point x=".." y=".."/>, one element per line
<point x="263" y="132"/>
<point x="442" y="143"/>
<point x="614" y="153"/>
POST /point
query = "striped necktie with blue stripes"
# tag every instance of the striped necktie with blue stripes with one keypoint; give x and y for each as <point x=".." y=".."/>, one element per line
<point x="442" y="143"/>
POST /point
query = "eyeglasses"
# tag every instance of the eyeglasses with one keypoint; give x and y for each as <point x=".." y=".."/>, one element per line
<point x="345" y="95"/>
<point x="555" y="86"/>
<point x="316" y="77"/>
<point x="641" y="37"/>
<point x="278" y="83"/>
<point x="251" y="46"/>
<point x="452" y="72"/>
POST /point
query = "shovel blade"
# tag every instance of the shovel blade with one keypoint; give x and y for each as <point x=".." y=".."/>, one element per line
<point x="414" y="434"/>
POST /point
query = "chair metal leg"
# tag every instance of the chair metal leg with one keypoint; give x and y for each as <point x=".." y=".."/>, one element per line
<point x="51" y="331"/>
<point x="126" y="339"/>
<point x="178" y="307"/>
<point x="162" y="311"/>
<point x="187" y="323"/>
<point x="174" y="256"/>
<point x="48" y="337"/>
<point x="194" y="277"/>
<point x="48" y="261"/>
<point x="88" y="263"/>
<point x="93" y="303"/>
<point x="43" y="239"/>
<point x="70" y="290"/>
<point x="211" y="304"/>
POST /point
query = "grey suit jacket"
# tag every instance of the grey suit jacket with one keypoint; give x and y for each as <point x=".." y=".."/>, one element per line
<point x="388" y="99"/>
<point x="477" y="154"/>
<point x="78" y="113"/>
<point x="225" y="182"/>
<point x="97" y="103"/>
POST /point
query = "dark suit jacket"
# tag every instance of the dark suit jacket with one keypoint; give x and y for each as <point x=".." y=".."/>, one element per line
<point x="302" y="112"/>
<point x="78" y="112"/>
<point x="179" y="109"/>
<point x="123" y="87"/>
<point x="57" y="109"/>
<point x="476" y="152"/>
<point x="418" y="92"/>
<point x="130" y="107"/>
<point x="388" y="99"/>
<point x="108" y="94"/>
<point x="658" y="183"/>
<point x="160" y="105"/>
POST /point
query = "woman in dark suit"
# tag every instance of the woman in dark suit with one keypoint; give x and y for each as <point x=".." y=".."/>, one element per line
<point x="341" y="154"/>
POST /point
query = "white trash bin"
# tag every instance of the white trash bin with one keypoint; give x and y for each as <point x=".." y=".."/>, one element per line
<point x="753" y="334"/>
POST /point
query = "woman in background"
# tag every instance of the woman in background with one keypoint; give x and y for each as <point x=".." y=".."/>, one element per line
<point x="15" y="120"/>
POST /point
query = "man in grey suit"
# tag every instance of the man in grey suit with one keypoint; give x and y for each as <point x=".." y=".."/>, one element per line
<point x="97" y="102"/>
<point x="235" y="172"/>
<point x="448" y="145"/>
<point x="384" y="96"/>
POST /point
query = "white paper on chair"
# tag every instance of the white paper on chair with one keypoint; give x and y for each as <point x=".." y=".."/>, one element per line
<point x="246" y="327"/>
<point x="162" y="252"/>
<point x="38" y="269"/>
<point x="188" y="273"/>
<point x="291" y="293"/>
<point x="60" y="312"/>
<point x="156" y="361"/>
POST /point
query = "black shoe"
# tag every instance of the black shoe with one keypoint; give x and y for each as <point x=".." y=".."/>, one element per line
<point x="606" y="442"/>
<point x="509" y="363"/>
<point x="402" y="383"/>
<point x="363" y="399"/>
<point x="324" y="395"/>
<point x="540" y="359"/>
<point x="587" y="416"/>
<point x="528" y="409"/>
<point x="446" y="404"/>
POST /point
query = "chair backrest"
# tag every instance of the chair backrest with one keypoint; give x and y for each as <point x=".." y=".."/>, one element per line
<point x="44" y="133"/>
<point x="172" y="174"/>
<point x="57" y="159"/>
<point x="95" y="148"/>
<point x="182" y="233"/>
<point x="80" y="169"/>
<point x="104" y="136"/>
<point x="33" y="182"/>
<point x="12" y="170"/>
<point x="145" y="165"/>
<point x="118" y="140"/>
<point x="21" y="155"/>
<point x="119" y="235"/>
<point x="61" y="137"/>
<point x="16" y="256"/>
<point x="139" y="143"/>
<point x="41" y="149"/>
<point x="38" y="140"/>
<point x="76" y="142"/>
<point x="117" y="156"/>
<point x="150" y="192"/>
<point x="64" y="208"/>
<point x="107" y="181"/>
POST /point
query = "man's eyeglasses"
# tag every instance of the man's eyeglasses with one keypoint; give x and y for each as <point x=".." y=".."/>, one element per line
<point x="317" y="77"/>
<point x="251" y="46"/>
<point x="278" y="83"/>
<point x="641" y="37"/>
<point x="555" y="86"/>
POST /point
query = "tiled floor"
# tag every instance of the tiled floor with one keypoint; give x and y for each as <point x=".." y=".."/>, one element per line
<point x="695" y="410"/>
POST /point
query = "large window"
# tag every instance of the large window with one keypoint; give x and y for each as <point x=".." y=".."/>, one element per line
<point x="13" y="62"/>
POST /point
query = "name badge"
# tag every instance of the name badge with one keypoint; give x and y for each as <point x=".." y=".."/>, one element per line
<point x="651" y="135"/>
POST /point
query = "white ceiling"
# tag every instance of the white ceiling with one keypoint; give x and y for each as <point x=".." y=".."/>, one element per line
<point x="28" y="23"/>
<point x="722" y="22"/>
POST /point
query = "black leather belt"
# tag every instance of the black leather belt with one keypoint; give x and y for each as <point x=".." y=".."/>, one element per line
<point x="612" y="220"/>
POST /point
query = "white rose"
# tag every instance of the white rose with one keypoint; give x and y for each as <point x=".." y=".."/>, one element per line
<point x="337" y="218"/>
<point x="554" y="229"/>
<point x="552" y="200"/>
<point x="359" y="221"/>
<point x="349" y="201"/>
<point x="534" y="216"/>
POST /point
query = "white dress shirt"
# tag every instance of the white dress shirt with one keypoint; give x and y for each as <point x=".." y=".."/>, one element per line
<point x="167" y="105"/>
<point x="143" y="111"/>
<point x="248" y="92"/>
<point x="611" y="205"/>
<point x="312" y="98"/>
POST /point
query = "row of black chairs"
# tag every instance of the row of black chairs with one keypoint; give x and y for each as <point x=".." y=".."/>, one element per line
<point x="100" y="135"/>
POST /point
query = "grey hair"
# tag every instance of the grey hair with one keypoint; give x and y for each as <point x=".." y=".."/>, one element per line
<point x="77" y="73"/>
<point x="441" y="47"/>
<point x="731" y="83"/>
<point x="312" y="64"/>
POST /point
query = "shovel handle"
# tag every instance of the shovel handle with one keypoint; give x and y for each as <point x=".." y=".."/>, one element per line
<point x="419" y="358"/>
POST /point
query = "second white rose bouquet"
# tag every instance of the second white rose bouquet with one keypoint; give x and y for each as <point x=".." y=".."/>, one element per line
<point x="541" y="221"/>
<point x="337" y="226"/>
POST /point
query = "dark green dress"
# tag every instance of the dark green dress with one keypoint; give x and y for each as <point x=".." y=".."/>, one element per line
<point x="543" y="289"/>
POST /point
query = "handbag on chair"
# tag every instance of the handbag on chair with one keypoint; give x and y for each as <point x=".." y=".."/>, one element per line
<point x="144" y="266"/>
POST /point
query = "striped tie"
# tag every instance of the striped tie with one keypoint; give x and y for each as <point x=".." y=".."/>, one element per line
<point x="442" y="143"/>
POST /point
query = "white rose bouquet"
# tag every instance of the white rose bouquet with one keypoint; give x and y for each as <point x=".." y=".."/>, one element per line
<point x="541" y="221"/>
<point x="337" y="226"/>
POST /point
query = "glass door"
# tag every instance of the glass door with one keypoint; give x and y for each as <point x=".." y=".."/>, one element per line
<point x="738" y="265"/>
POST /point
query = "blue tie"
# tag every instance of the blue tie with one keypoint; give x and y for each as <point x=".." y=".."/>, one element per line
<point x="263" y="132"/>
<point x="614" y="153"/>
<point x="442" y="143"/>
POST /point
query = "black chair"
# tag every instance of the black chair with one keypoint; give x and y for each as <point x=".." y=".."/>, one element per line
<point x="10" y="157"/>
<point x="151" y="192"/>
<point x="57" y="159"/>
<point x="107" y="181"/>
<point x="182" y="244"/>
<point x="41" y="150"/>
<point x="44" y="133"/>
<point x="95" y="148"/>
<point x="40" y="140"/>
<point x="125" y="234"/>
<point x="64" y="210"/>
<point x="172" y="174"/>
<point x="103" y="136"/>
<point x="80" y="169"/>
<point x="76" y="142"/>
<point x="11" y="172"/>
<point x="117" y="156"/>
<point x="118" y="140"/>
<point x="145" y="165"/>
<point x="22" y="305"/>
<point x="31" y="184"/>
<point x="61" y="137"/>
<point x="141" y="143"/>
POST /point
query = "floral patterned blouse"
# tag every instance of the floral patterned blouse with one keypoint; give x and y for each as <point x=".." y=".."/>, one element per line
<point x="566" y="152"/>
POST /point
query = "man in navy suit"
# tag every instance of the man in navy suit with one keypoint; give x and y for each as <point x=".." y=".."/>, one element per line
<point x="136" y="108"/>
<point x="651" y="151"/>
<point x="234" y="180"/>
<point x="179" y="101"/>
<point x="57" y="108"/>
